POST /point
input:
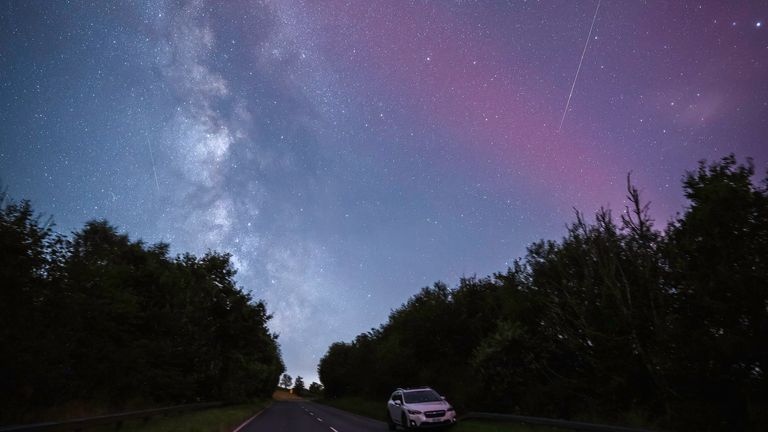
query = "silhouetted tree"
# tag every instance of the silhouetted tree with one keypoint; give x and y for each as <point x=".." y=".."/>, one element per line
<point x="717" y="253"/>
<point x="103" y="319"/>
<point x="286" y="381"/>
<point x="316" y="388"/>
<point x="33" y="331"/>
<point x="615" y="321"/>
<point x="298" y="386"/>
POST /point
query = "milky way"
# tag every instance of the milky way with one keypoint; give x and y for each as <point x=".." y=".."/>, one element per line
<point x="349" y="153"/>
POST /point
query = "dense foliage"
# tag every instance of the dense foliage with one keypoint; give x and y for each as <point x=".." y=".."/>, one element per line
<point x="286" y="381"/>
<point x="102" y="319"/>
<point x="298" y="386"/>
<point x="315" y="389"/>
<point x="617" y="322"/>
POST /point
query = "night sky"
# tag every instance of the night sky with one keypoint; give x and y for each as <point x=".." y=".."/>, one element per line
<point x="348" y="153"/>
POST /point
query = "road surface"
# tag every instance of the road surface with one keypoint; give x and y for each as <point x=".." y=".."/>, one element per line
<point x="305" y="416"/>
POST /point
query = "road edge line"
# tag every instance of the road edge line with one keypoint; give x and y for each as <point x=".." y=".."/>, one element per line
<point x="364" y="417"/>
<point x="245" y="423"/>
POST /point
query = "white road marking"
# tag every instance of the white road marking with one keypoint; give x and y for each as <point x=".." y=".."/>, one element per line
<point x="247" y="421"/>
<point x="334" y="430"/>
<point x="319" y="419"/>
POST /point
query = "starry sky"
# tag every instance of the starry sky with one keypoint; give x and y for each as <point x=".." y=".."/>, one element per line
<point x="348" y="153"/>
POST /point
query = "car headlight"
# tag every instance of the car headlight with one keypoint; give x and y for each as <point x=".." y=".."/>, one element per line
<point x="410" y="411"/>
<point x="450" y="408"/>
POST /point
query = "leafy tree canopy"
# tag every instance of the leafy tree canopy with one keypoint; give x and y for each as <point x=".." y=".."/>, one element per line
<point x="617" y="322"/>
<point x="102" y="318"/>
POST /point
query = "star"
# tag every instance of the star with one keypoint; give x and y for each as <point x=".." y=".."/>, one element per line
<point x="269" y="157"/>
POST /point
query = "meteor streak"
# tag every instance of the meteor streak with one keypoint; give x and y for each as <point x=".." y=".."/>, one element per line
<point x="578" y="69"/>
<point x="152" y="158"/>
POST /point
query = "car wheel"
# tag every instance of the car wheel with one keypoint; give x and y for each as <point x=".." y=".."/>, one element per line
<point x="390" y="424"/>
<point x="404" y="421"/>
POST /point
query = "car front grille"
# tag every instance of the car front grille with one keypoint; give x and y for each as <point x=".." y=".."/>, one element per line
<point x="434" y="414"/>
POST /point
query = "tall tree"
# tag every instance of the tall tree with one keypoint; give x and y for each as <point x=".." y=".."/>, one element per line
<point x="315" y="388"/>
<point x="32" y="323"/>
<point x="717" y="253"/>
<point x="298" y="386"/>
<point x="615" y="321"/>
<point x="103" y="319"/>
<point x="286" y="381"/>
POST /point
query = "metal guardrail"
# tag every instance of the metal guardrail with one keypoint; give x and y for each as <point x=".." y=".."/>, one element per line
<point x="564" y="424"/>
<point x="117" y="419"/>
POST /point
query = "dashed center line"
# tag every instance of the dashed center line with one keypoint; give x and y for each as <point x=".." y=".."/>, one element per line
<point x="318" y="418"/>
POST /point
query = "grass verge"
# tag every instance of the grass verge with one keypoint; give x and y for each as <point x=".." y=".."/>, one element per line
<point x="360" y="406"/>
<point x="492" y="426"/>
<point x="376" y="410"/>
<point x="223" y="419"/>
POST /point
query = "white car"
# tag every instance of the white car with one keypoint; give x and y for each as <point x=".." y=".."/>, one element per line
<point x="418" y="407"/>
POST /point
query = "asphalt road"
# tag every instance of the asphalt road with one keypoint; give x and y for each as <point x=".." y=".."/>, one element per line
<point x="305" y="416"/>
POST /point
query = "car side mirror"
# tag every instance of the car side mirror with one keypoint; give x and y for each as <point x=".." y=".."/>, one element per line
<point x="442" y="397"/>
<point x="398" y="403"/>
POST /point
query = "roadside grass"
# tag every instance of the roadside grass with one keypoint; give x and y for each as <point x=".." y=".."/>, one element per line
<point x="222" y="419"/>
<point x="376" y="410"/>
<point x="355" y="405"/>
<point x="494" y="426"/>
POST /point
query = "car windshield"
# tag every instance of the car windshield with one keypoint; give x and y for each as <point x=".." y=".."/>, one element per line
<point x="421" y="396"/>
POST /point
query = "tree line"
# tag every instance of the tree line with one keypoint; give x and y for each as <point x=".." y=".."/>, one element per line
<point x="99" y="319"/>
<point x="617" y="322"/>
<point x="298" y="388"/>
